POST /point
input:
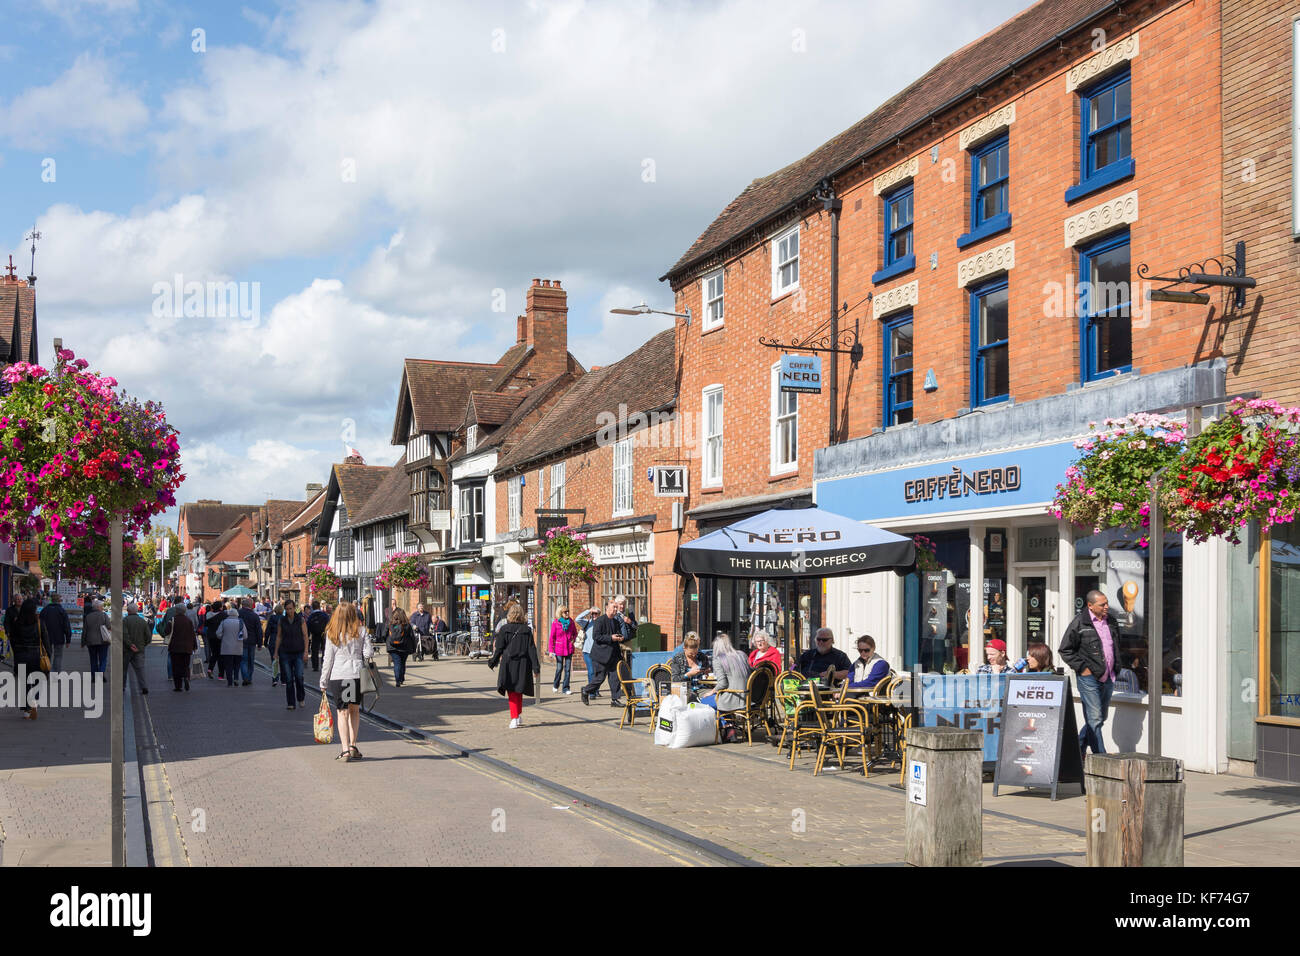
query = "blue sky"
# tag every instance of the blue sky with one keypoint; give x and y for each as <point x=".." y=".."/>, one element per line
<point x="380" y="170"/>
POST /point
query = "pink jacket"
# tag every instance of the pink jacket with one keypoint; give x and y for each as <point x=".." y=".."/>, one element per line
<point x="562" y="641"/>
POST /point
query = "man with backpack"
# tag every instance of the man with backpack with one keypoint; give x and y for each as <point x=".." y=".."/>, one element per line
<point x="317" y="621"/>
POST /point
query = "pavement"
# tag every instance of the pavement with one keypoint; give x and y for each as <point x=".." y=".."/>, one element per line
<point x="568" y="788"/>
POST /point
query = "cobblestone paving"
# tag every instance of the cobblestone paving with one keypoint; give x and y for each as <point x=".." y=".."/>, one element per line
<point x="250" y="785"/>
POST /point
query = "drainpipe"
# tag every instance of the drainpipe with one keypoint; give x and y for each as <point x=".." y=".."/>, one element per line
<point x="826" y="194"/>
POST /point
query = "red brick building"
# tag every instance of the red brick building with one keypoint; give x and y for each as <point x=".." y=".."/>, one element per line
<point x="199" y="525"/>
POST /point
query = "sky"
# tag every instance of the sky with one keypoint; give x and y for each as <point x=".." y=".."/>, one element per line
<point x="384" y="180"/>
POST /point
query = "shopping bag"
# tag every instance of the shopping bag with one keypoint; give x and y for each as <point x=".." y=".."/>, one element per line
<point x="694" y="726"/>
<point x="275" y="668"/>
<point x="197" y="668"/>
<point x="322" y="724"/>
<point x="665" y="719"/>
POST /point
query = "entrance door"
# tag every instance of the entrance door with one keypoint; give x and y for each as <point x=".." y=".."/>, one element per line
<point x="1035" y="617"/>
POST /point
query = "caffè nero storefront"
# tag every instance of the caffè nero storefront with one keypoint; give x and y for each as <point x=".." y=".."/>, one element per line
<point x="977" y="490"/>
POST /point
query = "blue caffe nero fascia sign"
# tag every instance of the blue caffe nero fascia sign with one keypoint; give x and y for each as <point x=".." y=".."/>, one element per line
<point x="800" y="373"/>
<point x="1018" y="477"/>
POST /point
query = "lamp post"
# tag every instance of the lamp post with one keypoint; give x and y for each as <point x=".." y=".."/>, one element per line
<point x="644" y="309"/>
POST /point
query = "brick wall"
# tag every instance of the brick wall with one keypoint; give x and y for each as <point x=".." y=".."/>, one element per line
<point x="1259" y="340"/>
<point x="1175" y="126"/>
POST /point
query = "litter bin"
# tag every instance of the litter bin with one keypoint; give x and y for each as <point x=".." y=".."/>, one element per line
<point x="1134" y="810"/>
<point x="648" y="637"/>
<point x="945" y="796"/>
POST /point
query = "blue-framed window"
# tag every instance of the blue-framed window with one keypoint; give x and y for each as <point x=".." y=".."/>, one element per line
<point x="899" y="255"/>
<point x="897" y="378"/>
<point x="1105" y="317"/>
<point x="1105" y="135"/>
<point x="990" y="185"/>
<point x="990" y="344"/>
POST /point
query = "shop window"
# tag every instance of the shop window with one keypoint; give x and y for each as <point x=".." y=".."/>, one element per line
<point x="990" y="344"/>
<point x="897" y="377"/>
<point x="1105" y="320"/>
<point x="1111" y="562"/>
<point x="630" y="580"/>
<point x="1284" y="623"/>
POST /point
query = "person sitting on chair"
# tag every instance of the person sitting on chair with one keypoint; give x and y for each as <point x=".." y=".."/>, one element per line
<point x="825" y="660"/>
<point x="688" y="663"/>
<point x="870" y="668"/>
<point x="763" y="651"/>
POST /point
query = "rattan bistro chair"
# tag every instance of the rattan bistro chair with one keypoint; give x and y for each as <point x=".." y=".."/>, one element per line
<point x="841" y="726"/>
<point x="632" y="698"/>
<point x="797" y="722"/>
<point x="757" y="688"/>
<point x="656" y="674"/>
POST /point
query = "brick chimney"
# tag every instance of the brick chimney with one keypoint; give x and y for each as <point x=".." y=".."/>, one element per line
<point x="545" y="327"/>
<point x="354" y="460"/>
<point x="314" y="488"/>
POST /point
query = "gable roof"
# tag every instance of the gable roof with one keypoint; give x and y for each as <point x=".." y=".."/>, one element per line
<point x="357" y="483"/>
<point x="224" y="540"/>
<point x="392" y="497"/>
<point x="306" y="516"/>
<point x="491" y="408"/>
<point x="279" y="512"/>
<point x="955" y="78"/>
<point x="435" y="393"/>
<point x="211" y="518"/>
<point x="18" y="337"/>
<point x="641" y="382"/>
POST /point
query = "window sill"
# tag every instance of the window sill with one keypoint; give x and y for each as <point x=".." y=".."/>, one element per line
<point x="712" y="328"/>
<point x="621" y="514"/>
<point x="1110" y="376"/>
<point x="711" y="490"/>
<point x="991" y="403"/>
<point x="1167" y="701"/>
<point x="1106" y="176"/>
<point x="781" y="296"/>
<point x="906" y="264"/>
<point x="991" y="228"/>
<point x="782" y="476"/>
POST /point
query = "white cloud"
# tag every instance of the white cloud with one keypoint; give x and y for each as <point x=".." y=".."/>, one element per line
<point x="86" y="102"/>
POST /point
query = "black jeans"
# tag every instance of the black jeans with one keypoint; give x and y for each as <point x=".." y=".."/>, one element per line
<point x="180" y="670"/>
<point x="291" y="675"/>
<point x="317" y="651"/>
<point x="605" y="672"/>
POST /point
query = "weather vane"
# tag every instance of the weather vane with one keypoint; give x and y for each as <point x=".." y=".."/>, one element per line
<point x="33" y="236"/>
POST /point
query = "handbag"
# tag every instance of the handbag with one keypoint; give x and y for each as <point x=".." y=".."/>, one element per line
<point x="322" y="725"/>
<point x="371" y="683"/>
<point x="45" y="655"/>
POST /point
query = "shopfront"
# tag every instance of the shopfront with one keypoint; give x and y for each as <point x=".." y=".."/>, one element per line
<point x="1277" y="724"/>
<point x="1003" y="567"/>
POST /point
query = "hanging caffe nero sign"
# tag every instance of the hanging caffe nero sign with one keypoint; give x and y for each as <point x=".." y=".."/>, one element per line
<point x="800" y="373"/>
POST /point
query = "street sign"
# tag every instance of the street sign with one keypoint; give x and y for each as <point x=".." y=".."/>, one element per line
<point x="916" y="782"/>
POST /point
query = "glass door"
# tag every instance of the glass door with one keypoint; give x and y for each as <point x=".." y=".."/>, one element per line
<point x="1035" y="619"/>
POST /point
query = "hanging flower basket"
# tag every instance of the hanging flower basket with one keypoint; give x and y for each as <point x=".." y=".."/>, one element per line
<point x="927" y="558"/>
<point x="1245" y="466"/>
<point x="564" y="557"/>
<point x="321" y="579"/>
<point x="89" y="559"/>
<point x="1109" y="486"/>
<point x="404" y="570"/>
<point x="74" y="454"/>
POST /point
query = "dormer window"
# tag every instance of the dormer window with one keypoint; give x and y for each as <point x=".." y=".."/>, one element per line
<point x="471" y="437"/>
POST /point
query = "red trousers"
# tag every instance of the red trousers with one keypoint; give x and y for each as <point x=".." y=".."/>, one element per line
<point x="516" y="703"/>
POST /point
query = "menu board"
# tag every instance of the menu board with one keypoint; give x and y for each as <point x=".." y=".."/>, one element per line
<point x="1039" y="744"/>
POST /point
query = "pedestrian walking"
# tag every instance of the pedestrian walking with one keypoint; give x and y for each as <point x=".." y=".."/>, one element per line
<point x="233" y="636"/>
<point x="27" y="637"/>
<point x="135" y="638"/>
<point x="94" y="638"/>
<point x="58" y="629"/>
<point x="347" y="650"/>
<point x="586" y="622"/>
<point x="272" y="627"/>
<point x="253" y="625"/>
<point x="317" y="621"/>
<point x="606" y="652"/>
<point x="563" y="640"/>
<point x="420" y="624"/>
<point x="183" y="641"/>
<point x="211" y="622"/>
<point x="517" y="654"/>
<point x="439" y="628"/>
<point x="401" y="642"/>
<point x="290" y="649"/>
<point x="1089" y="647"/>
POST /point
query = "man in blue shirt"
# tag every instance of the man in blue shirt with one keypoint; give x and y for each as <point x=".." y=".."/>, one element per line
<point x="870" y="668"/>
<point x="824" y="658"/>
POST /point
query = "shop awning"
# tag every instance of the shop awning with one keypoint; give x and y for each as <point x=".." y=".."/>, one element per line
<point x="796" y="543"/>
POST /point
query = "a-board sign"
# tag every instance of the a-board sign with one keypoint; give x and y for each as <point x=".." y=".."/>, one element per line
<point x="1039" y="745"/>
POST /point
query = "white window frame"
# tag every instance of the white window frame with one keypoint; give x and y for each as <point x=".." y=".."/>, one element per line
<point x="779" y="467"/>
<point x="514" y="502"/>
<point x="778" y="289"/>
<point x="471" y="437"/>
<point x="713" y="317"/>
<point x="557" y="485"/>
<point x="541" y="488"/>
<point x="623" y="478"/>
<point x="710" y="435"/>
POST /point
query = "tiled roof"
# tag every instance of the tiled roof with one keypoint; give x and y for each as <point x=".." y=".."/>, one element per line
<point x="17" y="323"/>
<point x="491" y="408"/>
<point x="509" y="364"/>
<point x="439" y="390"/>
<point x="642" y="381"/>
<point x="306" y="515"/>
<point x="214" y="550"/>
<point x="955" y="77"/>
<point x="279" y="512"/>
<point x="203" y="518"/>
<point x="357" y="483"/>
<point x="391" y="498"/>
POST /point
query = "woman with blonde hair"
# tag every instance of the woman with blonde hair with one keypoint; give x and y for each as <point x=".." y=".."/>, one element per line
<point x="347" y="650"/>
<point x="516" y="649"/>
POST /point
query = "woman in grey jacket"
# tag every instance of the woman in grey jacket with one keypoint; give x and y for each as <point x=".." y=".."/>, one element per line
<point x="231" y="635"/>
<point x="92" y="639"/>
<point x="731" y="668"/>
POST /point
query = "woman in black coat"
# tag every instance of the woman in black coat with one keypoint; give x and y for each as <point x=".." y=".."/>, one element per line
<point x="27" y="639"/>
<point x="515" y="647"/>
